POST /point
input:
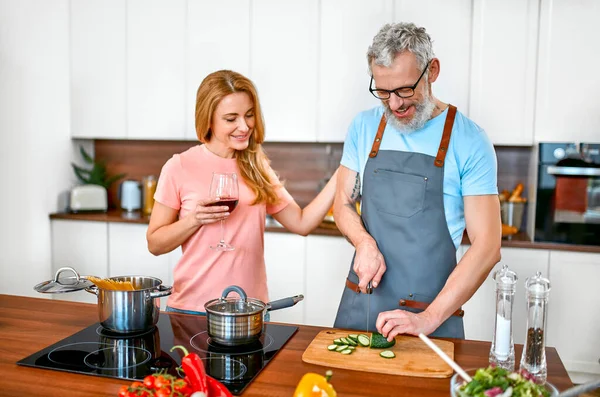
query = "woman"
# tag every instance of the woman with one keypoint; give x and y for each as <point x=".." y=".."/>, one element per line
<point x="229" y="124"/>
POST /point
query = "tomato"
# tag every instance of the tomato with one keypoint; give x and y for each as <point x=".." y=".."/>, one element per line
<point x="161" y="382"/>
<point x="123" y="390"/>
<point x="149" y="381"/>
<point x="163" y="392"/>
<point x="136" y="384"/>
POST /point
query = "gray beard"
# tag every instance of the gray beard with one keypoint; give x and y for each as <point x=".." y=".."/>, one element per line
<point x="423" y="112"/>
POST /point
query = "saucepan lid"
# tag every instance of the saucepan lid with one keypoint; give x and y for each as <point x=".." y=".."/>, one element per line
<point x="242" y="306"/>
<point x="64" y="283"/>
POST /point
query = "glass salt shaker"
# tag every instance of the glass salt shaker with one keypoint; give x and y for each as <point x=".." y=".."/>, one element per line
<point x="533" y="359"/>
<point x="502" y="352"/>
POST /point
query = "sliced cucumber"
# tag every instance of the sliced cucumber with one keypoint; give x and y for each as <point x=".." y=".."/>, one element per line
<point x="354" y="337"/>
<point x="351" y="347"/>
<point x="387" y="354"/>
<point x="338" y="341"/>
<point x="351" y="342"/>
<point x="332" y="347"/>
<point x="379" y="341"/>
<point x="364" y="340"/>
<point x="341" y="347"/>
<point x="346" y="351"/>
<point x="345" y="341"/>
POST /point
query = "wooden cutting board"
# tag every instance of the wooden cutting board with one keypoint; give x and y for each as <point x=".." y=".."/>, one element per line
<point x="413" y="356"/>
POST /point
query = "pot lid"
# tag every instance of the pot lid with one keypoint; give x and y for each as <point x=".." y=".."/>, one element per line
<point x="241" y="306"/>
<point x="62" y="284"/>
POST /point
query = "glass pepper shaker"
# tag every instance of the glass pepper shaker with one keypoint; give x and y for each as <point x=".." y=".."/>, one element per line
<point x="502" y="352"/>
<point x="533" y="359"/>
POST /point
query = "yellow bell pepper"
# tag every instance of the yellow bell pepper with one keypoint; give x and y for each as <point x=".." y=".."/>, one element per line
<point x="315" y="385"/>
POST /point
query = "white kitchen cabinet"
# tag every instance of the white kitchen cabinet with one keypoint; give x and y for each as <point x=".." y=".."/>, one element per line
<point x="574" y="310"/>
<point x="286" y="276"/>
<point x="83" y="246"/>
<point x="284" y="66"/>
<point x="347" y="28"/>
<point x="129" y="255"/>
<point x="328" y="260"/>
<point x="503" y="69"/>
<point x="156" y="69"/>
<point x="480" y="310"/>
<point x="98" y="71"/>
<point x="216" y="38"/>
<point x="567" y="95"/>
<point x="450" y="30"/>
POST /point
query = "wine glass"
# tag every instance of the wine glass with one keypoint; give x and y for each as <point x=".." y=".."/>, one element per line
<point x="224" y="191"/>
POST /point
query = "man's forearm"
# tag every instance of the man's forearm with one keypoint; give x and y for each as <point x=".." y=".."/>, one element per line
<point x="350" y="224"/>
<point x="466" y="278"/>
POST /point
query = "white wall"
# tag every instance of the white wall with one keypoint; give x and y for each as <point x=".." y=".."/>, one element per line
<point x="35" y="144"/>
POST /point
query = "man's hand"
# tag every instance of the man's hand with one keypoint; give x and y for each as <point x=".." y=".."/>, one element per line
<point x="369" y="265"/>
<point x="397" y="322"/>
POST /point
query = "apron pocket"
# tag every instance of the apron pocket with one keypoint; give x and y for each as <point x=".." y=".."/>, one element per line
<point x="398" y="194"/>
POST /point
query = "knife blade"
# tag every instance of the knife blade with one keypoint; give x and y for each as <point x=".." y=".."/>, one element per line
<point x="369" y="291"/>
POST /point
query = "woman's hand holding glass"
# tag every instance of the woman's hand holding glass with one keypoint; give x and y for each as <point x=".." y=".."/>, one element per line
<point x="205" y="214"/>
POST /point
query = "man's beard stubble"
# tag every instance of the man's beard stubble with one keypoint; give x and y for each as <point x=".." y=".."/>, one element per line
<point x="423" y="112"/>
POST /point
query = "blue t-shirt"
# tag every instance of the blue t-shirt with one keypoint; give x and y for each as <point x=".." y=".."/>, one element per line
<point x="469" y="169"/>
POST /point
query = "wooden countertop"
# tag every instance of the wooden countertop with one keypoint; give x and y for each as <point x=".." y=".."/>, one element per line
<point x="28" y="325"/>
<point x="519" y="240"/>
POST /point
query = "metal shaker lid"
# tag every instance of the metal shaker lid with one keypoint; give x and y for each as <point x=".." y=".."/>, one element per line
<point x="61" y="283"/>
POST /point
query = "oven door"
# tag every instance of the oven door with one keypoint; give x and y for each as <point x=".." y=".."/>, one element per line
<point x="568" y="209"/>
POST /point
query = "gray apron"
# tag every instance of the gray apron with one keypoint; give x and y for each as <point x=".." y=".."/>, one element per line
<point x="402" y="208"/>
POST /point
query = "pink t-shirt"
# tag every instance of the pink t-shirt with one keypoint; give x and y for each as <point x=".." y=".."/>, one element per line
<point x="202" y="273"/>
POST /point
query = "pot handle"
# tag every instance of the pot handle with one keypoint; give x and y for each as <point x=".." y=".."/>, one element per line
<point x="92" y="290"/>
<point x="163" y="290"/>
<point x="234" y="288"/>
<point x="285" y="302"/>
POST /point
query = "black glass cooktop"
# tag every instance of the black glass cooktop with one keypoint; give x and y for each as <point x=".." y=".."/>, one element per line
<point x="94" y="351"/>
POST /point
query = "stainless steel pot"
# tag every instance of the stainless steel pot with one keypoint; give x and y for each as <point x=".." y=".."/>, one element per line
<point x="237" y="321"/>
<point x="131" y="311"/>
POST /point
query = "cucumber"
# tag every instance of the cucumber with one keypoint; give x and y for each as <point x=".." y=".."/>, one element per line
<point x="346" y="351"/>
<point x="364" y="340"/>
<point x="332" y="347"/>
<point x="341" y="347"/>
<point x="338" y="341"/>
<point x="387" y="354"/>
<point x="351" y="347"/>
<point x="345" y="341"/>
<point x="354" y="337"/>
<point x="352" y="342"/>
<point x="379" y="341"/>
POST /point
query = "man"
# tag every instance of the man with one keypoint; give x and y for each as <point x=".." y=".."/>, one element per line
<point x="422" y="171"/>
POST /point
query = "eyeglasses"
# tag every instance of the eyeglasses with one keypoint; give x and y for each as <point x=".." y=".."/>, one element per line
<point x="402" y="92"/>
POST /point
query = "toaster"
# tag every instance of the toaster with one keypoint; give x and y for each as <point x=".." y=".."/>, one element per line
<point x="87" y="198"/>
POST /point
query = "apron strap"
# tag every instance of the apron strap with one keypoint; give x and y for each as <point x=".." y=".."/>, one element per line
<point x="377" y="141"/>
<point x="443" y="149"/>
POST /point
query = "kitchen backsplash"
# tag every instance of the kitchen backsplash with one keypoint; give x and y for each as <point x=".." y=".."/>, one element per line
<point x="304" y="167"/>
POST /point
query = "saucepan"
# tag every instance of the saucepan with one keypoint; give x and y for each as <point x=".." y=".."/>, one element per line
<point x="238" y="321"/>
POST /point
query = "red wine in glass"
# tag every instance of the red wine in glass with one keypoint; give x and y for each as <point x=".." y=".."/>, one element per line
<point x="231" y="203"/>
<point x="224" y="192"/>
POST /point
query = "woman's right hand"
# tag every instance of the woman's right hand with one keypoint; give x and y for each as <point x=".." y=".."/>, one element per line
<point x="205" y="214"/>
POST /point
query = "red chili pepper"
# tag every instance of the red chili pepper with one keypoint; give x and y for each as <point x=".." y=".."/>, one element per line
<point x="194" y="370"/>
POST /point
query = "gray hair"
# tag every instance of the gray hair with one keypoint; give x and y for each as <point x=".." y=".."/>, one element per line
<point x="394" y="38"/>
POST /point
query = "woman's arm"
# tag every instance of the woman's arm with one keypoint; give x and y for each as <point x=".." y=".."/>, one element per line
<point x="303" y="221"/>
<point x="165" y="232"/>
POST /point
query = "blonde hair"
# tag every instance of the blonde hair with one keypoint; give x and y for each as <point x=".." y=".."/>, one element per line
<point x="252" y="162"/>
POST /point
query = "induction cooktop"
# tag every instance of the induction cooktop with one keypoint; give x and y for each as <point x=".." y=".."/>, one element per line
<point x="98" y="352"/>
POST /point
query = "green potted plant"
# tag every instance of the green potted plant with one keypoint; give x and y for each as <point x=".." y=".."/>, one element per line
<point x="97" y="174"/>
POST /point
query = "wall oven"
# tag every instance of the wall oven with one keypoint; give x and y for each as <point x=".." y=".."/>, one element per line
<point x="568" y="194"/>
